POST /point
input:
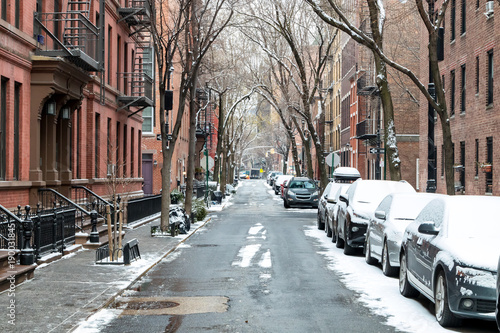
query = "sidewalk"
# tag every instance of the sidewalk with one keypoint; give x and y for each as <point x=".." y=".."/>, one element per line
<point x="67" y="291"/>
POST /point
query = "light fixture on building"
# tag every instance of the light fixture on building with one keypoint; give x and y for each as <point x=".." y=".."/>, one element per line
<point x="51" y="108"/>
<point x="65" y="112"/>
<point x="155" y="162"/>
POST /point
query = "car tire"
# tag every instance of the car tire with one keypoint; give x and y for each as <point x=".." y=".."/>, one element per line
<point x="405" y="288"/>
<point x="348" y="250"/>
<point x="321" y="225"/>
<point x="339" y="242"/>
<point x="285" y="204"/>
<point x="387" y="269"/>
<point x="328" y="229"/>
<point x="444" y="316"/>
<point x="368" y="256"/>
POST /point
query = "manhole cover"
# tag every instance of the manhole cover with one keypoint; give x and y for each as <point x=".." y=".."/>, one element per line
<point x="148" y="305"/>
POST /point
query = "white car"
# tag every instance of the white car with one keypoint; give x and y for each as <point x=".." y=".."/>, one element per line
<point x="386" y="228"/>
<point x="278" y="181"/>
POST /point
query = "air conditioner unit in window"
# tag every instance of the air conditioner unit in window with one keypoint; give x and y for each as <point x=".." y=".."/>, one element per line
<point x="489" y="8"/>
<point x="111" y="169"/>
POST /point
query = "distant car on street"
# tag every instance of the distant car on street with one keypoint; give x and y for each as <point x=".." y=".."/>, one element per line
<point x="386" y="228"/>
<point x="270" y="176"/>
<point x="278" y="181"/>
<point x="361" y="199"/>
<point x="302" y="192"/>
<point x="450" y="255"/>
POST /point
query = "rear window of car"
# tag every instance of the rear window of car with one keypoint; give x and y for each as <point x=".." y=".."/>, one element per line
<point x="302" y="184"/>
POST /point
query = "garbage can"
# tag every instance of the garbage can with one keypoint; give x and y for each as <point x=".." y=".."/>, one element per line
<point x="217" y="196"/>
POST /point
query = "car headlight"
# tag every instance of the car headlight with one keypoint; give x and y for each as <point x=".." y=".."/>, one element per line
<point x="291" y="192"/>
<point x="476" y="277"/>
<point x="316" y="193"/>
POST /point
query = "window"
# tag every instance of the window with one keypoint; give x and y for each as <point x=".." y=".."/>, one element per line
<point x="17" y="14"/>
<point x="118" y="61"/>
<point x="139" y="155"/>
<point x="110" y="58"/>
<point x="17" y="103"/>
<point x="489" y="96"/>
<point x="97" y="126"/>
<point x="463" y="28"/>
<point x="462" y="90"/>
<point x="78" y="140"/>
<point x="124" y="150"/>
<point x="132" y="153"/>
<point x="452" y="20"/>
<point x="148" y="120"/>
<point x="4" y="10"/>
<point x="477" y="75"/>
<point x="442" y="160"/>
<point x="108" y="143"/>
<point x="452" y="93"/>
<point x="462" y="162"/>
<point x="117" y="148"/>
<point x="476" y="169"/>
<point x="489" y="159"/>
<point x="3" y="127"/>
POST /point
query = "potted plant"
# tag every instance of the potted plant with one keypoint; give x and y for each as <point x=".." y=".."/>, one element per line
<point x="486" y="166"/>
<point x="176" y="196"/>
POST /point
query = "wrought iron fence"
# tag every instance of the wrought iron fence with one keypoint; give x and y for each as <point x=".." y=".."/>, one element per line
<point x="143" y="207"/>
<point x="51" y="200"/>
<point x="88" y="200"/>
<point x="10" y="229"/>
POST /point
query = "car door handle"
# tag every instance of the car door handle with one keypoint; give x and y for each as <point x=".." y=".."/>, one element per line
<point x="419" y="242"/>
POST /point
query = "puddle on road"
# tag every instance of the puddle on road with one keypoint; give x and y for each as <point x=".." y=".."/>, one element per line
<point x="133" y="306"/>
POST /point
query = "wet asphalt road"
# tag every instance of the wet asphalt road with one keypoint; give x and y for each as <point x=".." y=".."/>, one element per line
<point x="251" y="269"/>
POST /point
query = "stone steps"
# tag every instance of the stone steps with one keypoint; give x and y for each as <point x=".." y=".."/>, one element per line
<point x="11" y="272"/>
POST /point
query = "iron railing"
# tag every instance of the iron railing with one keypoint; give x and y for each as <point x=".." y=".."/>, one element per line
<point x="87" y="199"/>
<point x="10" y="230"/>
<point x="143" y="207"/>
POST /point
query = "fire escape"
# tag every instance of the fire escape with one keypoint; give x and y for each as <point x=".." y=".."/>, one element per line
<point x="70" y="35"/>
<point x="138" y="84"/>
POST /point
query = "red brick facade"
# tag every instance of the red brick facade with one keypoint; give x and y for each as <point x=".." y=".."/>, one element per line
<point x="476" y="121"/>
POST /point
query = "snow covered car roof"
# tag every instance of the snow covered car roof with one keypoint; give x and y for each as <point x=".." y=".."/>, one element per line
<point x="346" y="173"/>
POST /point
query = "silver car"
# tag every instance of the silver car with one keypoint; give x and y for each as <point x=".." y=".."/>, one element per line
<point x="385" y="229"/>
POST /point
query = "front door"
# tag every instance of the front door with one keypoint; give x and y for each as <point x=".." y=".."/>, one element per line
<point x="147" y="173"/>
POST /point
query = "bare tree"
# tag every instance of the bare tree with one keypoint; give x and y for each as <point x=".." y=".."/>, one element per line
<point x="183" y="32"/>
<point x="432" y="17"/>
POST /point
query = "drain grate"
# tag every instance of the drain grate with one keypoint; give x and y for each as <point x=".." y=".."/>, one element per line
<point x="152" y="305"/>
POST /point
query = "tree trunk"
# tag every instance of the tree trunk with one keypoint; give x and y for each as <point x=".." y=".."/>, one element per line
<point x="188" y="202"/>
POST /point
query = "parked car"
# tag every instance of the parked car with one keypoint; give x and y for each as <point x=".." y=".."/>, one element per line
<point x="270" y="176"/>
<point x="278" y="181"/>
<point x="301" y="191"/>
<point x="273" y="177"/>
<point x="386" y="228"/>
<point x="497" y="310"/>
<point x="322" y="207"/>
<point x="332" y="207"/>
<point x="361" y="199"/>
<point x="450" y="255"/>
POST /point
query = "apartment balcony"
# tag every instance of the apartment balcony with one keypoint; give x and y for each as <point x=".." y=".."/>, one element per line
<point x="365" y="130"/>
<point x="69" y="35"/>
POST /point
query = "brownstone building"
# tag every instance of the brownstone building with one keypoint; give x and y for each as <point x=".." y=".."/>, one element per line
<point x="75" y="78"/>
<point x="471" y="35"/>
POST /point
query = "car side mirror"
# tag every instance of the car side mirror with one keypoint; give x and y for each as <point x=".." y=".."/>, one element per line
<point x="331" y="200"/>
<point x="428" y="228"/>
<point x="380" y="214"/>
<point x="344" y="199"/>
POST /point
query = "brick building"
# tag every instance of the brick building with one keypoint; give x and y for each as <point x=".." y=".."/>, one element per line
<point x="75" y="79"/>
<point x="471" y="36"/>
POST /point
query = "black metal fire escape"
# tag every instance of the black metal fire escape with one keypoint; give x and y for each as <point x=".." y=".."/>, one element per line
<point x="138" y="90"/>
<point x="79" y="39"/>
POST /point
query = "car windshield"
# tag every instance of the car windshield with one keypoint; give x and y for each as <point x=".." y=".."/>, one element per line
<point x="302" y="184"/>
<point x="474" y="219"/>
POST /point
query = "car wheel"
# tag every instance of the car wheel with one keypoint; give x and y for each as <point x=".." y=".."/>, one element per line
<point x="339" y="242"/>
<point x="285" y="204"/>
<point x="368" y="253"/>
<point x="348" y="250"/>
<point x="444" y="316"/>
<point x="405" y="288"/>
<point x="387" y="269"/>
<point x="328" y="229"/>
<point x="321" y="225"/>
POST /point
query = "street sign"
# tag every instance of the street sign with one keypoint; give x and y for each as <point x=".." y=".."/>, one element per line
<point x="377" y="150"/>
<point x="336" y="159"/>
<point x="203" y="162"/>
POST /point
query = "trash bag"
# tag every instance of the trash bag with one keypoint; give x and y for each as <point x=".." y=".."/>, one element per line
<point x="180" y="219"/>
